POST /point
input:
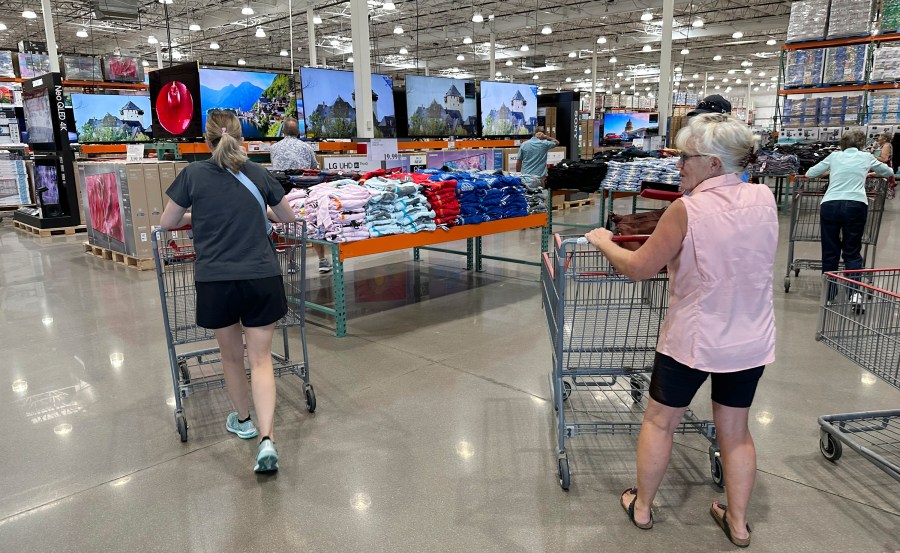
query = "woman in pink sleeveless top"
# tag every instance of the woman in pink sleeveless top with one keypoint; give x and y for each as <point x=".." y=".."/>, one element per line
<point x="719" y="246"/>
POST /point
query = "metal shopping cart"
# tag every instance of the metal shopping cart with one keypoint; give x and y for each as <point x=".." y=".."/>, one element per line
<point x="603" y="331"/>
<point x="869" y="335"/>
<point x="805" y="222"/>
<point x="199" y="369"/>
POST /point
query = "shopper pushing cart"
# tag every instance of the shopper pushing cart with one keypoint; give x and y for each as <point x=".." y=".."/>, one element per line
<point x="719" y="246"/>
<point x="235" y="281"/>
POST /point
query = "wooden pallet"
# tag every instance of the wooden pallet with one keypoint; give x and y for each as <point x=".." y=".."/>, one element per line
<point x="120" y="258"/>
<point x="573" y="204"/>
<point x="45" y="232"/>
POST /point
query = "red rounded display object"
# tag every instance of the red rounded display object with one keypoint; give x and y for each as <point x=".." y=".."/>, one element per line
<point x="174" y="107"/>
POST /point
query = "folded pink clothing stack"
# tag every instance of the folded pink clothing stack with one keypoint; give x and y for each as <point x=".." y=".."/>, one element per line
<point x="297" y="199"/>
<point x="336" y="211"/>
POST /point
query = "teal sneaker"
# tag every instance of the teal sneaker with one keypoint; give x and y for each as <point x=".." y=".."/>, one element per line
<point x="266" y="457"/>
<point x="245" y="430"/>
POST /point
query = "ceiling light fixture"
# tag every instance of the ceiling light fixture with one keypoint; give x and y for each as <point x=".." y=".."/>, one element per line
<point x="403" y="51"/>
<point x="587" y="71"/>
<point x="546" y="30"/>
<point x="145" y="63"/>
<point x="194" y="27"/>
<point x="732" y="71"/>
<point x="317" y="20"/>
<point x="524" y="48"/>
<point x="247" y="10"/>
<point x="616" y="85"/>
<point x="771" y="42"/>
<point x="695" y="76"/>
<point x="82" y="34"/>
<point x="460" y="58"/>
<point x="718" y="87"/>
<point x="647" y="16"/>
<point x="477" y="18"/>
<point x="165" y="1"/>
<point x="535" y="77"/>
<point x="389" y="6"/>
<point x="213" y="45"/>
<point x="283" y="53"/>
<point x="241" y="61"/>
<point x="573" y="55"/>
<point x="746" y="63"/>
<point x="350" y="59"/>
<point x="711" y="78"/>
<point x="738" y="81"/>
<point x="467" y="40"/>
<point x="152" y="40"/>
<point x="725" y="80"/>
<point x="28" y="14"/>
<point x="755" y="89"/>
<point x="398" y="30"/>
<point x="260" y="33"/>
<point x="509" y="63"/>
<point x="2" y="27"/>
<point x="773" y="79"/>
<point x="647" y="48"/>
<point x="697" y="23"/>
<point x="737" y="34"/>
<point x="601" y="40"/>
<point x="678" y="69"/>
<point x="690" y="85"/>
<point x="762" y="73"/>
<point x="748" y="71"/>
<point x="568" y="79"/>
<point x="620" y="74"/>
<point x="613" y="59"/>
<point x="498" y="74"/>
<point x="717" y="57"/>
<point x="685" y="51"/>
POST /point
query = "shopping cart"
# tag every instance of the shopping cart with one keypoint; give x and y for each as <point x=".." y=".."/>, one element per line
<point x="603" y="332"/>
<point x="867" y="333"/>
<point x="805" y="222"/>
<point x="199" y="368"/>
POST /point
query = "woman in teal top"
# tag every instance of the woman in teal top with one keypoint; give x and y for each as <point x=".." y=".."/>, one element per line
<point x="844" y="207"/>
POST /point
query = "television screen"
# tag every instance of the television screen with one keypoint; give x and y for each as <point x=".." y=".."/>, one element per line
<point x="82" y="68"/>
<point x="123" y="69"/>
<point x="175" y="102"/>
<point x="38" y="120"/>
<point x="6" y="64"/>
<point x="301" y="118"/>
<point x="103" y="204"/>
<point x="330" y="104"/>
<point x="260" y="100"/>
<point x="46" y="176"/>
<point x="508" y="109"/>
<point x="111" y="118"/>
<point x="33" y="65"/>
<point x="441" y="107"/>
<point x="10" y="95"/>
<point x="622" y="127"/>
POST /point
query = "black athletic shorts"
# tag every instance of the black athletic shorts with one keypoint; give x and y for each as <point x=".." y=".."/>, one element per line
<point x="674" y="384"/>
<point x="255" y="302"/>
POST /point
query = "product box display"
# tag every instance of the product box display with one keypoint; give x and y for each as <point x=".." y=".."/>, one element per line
<point x="800" y="112"/>
<point x="115" y="197"/>
<point x="29" y="66"/>
<point x="830" y="134"/>
<point x="9" y="127"/>
<point x="809" y="20"/>
<point x="81" y="68"/>
<point x="850" y="18"/>
<point x="884" y="107"/>
<point x="890" y="17"/>
<point x="874" y="131"/>
<point x="886" y="64"/>
<point x="10" y="95"/>
<point x="123" y="69"/>
<point x="845" y="64"/>
<point x="156" y="195"/>
<point x="14" y="189"/>
<point x="7" y="69"/>
<point x="804" y="68"/>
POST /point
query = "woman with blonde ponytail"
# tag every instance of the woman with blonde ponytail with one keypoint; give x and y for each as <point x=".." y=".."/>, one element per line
<point x="240" y="293"/>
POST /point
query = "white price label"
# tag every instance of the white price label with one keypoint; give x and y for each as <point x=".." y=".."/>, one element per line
<point x="134" y="152"/>
<point x="418" y="159"/>
<point x="382" y="149"/>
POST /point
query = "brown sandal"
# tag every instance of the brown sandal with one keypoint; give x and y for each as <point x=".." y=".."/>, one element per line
<point x="630" y="509"/>
<point x="722" y="521"/>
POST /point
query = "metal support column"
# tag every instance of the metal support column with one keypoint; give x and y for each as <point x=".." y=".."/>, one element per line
<point x="416" y="254"/>
<point x="665" y="68"/>
<point x="50" y="36"/>
<point x="362" y="74"/>
<point x="311" y="30"/>
<point x="340" y="301"/>
<point x="470" y="250"/>
<point x="493" y="70"/>
<point x="478" y="266"/>
<point x="594" y="83"/>
<point x="547" y="230"/>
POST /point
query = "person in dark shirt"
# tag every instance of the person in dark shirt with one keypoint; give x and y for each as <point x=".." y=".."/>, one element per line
<point x="240" y="293"/>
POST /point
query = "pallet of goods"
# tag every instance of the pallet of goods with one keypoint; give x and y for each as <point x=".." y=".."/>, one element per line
<point x="809" y="21"/>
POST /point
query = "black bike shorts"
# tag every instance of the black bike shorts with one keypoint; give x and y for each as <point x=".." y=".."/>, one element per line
<point x="675" y="384"/>
<point x="254" y="302"/>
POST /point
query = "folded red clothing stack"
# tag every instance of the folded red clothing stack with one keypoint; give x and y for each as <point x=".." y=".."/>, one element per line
<point x="442" y="197"/>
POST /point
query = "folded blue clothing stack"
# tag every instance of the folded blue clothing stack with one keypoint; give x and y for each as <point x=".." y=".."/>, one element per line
<point x="627" y="176"/>
<point x="471" y="194"/>
<point x="397" y="208"/>
<point x="505" y="199"/>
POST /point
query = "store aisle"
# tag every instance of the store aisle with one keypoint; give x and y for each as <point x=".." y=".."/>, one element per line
<point x="434" y="431"/>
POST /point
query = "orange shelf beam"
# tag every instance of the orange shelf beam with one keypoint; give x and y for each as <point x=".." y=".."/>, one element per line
<point x="420" y="239"/>
<point x="841" y="42"/>
<point x="102" y="84"/>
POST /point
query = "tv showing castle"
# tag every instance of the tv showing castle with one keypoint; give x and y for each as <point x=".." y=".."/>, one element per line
<point x="329" y="102"/>
<point x="111" y="118"/>
<point x="441" y="107"/>
<point x="508" y="109"/>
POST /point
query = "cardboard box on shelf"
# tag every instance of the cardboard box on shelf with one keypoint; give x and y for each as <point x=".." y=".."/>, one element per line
<point x="137" y="236"/>
<point x="157" y="196"/>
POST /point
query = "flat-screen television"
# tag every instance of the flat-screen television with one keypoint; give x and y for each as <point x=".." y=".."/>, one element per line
<point x="260" y="100"/>
<point x="33" y="65"/>
<point x="508" y="109"/>
<point x="111" y="118"/>
<point x="123" y="69"/>
<point x="82" y="68"/>
<point x="440" y="107"/>
<point x="38" y="117"/>
<point x="47" y="176"/>
<point x="626" y="126"/>
<point x="175" y="102"/>
<point x="329" y="104"/>
<point x="301" y="118"/>
<point x="10" y="95"/>
<point x="6" y="64"/>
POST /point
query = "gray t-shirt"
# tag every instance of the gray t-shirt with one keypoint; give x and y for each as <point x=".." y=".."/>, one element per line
<point x="230" y="236"/>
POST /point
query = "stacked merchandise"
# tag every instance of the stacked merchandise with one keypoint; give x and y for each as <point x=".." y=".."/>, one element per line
<point x="802" y="112"/>
<point x="804" y="68"/>
<point x="850" y="18"/>
<point x="886" y="66"/>
<point x="775" y="163"/>
<point x="809" y="20"/>
<point x="336" y="211"/>
<point x="890" y="16"/>
<point x="470" y="191"/>
<point x="297" y="197"/>
<point x="397" y="207"/>
<point x="807" y="155"/>
<point x="838" y="110"/>
<point x="628" y="176"/>
<point x="442" y="197"/>
<point x="845" y="64"/>
<point x="885" y="108"/>
<point x="504" y="199"/>
<point x="14" y="189"/>
<point x="534" y="193"/>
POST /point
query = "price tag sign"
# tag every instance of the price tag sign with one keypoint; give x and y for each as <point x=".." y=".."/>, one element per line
<point x="382" y="149"/>
<point x="134" y="152"/>
<point x="418" y="159"/>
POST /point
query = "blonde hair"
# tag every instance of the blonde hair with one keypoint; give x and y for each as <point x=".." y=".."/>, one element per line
<point x="886" y="136"/>
<point x="223" y="132"/>
<point x="721" y="136"/>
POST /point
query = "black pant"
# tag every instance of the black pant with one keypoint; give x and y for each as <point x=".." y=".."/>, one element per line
<point x="843" y="223"/>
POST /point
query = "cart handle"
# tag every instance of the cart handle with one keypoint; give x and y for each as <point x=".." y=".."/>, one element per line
<point x="863" y="285"/>
<point x="665" y="195"/>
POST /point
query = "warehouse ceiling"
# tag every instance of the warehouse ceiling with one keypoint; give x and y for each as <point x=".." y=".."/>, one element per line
<point x="433" y="35"/>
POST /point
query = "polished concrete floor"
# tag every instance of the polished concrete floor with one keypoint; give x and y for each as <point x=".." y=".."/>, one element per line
<point x="434" y="429"/>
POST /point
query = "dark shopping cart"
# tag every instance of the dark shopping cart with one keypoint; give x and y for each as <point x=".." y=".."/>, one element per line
<point x="603" y="332"/>
<point x="199" y="368"/>
<point x="862" y="322"/>
<point x="805" y="222"/>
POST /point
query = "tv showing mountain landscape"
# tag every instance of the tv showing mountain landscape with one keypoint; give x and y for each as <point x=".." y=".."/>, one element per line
<point x="329" y="102"/>
<point x="508" y="109"/>
<point x="439" y="107"/>
<point x="111" y="118"/>
<point x="260" y="100"/>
